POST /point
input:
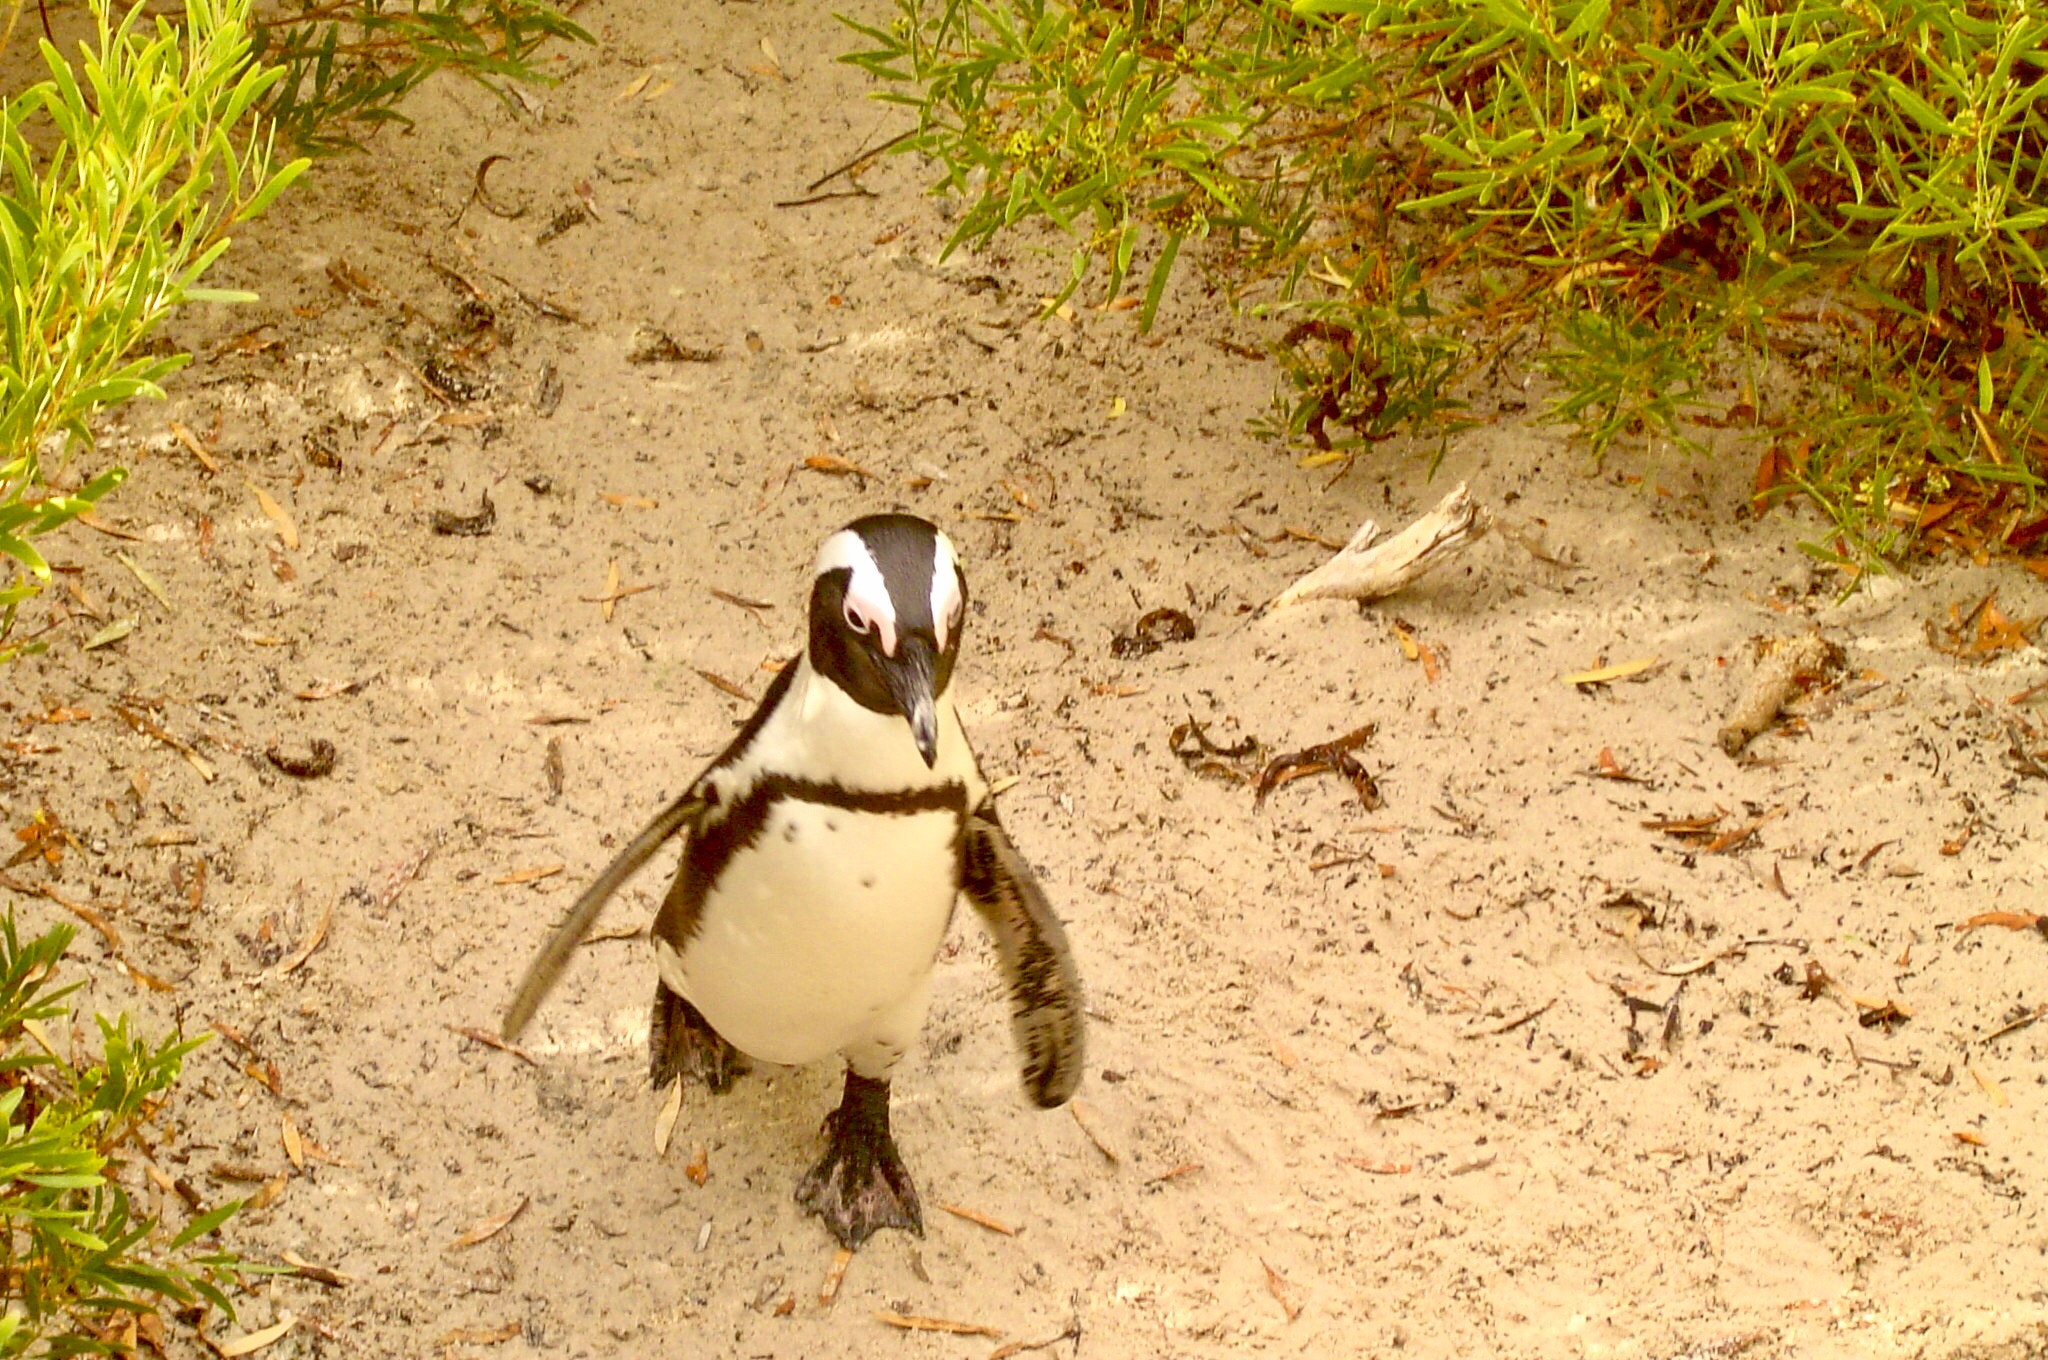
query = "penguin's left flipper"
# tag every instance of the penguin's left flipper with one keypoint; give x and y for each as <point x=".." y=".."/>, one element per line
<point x="546" y="968"/>
<point x="1045" y="990"/>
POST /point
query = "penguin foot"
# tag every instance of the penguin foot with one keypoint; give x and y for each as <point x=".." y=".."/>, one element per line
<point x="860" y="1184"/>
<point x="681" y="1043"/>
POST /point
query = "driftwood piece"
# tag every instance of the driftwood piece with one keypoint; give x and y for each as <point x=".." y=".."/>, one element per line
<point x="1781" y="664"/>
<point x="1369" y="566"/>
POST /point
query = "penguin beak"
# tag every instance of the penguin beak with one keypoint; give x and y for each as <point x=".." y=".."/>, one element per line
<point x="910" y="685"/>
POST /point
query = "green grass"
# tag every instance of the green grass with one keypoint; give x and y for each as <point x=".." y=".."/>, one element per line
<point x="1828" y="216"/>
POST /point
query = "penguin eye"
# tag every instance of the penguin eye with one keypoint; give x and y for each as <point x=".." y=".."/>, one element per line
<point x="856" y="620"/>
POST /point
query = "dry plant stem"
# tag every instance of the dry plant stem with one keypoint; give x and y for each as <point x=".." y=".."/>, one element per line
<point x="1370" y="567"/>
<point x="1775" y="682"/>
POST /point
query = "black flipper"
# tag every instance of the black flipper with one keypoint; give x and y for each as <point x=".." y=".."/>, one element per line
<point x="546" y="968"/>
<point x="1045" y="991"/>
<point x="860" y="1184"/>
<point x="681" y="1043"/>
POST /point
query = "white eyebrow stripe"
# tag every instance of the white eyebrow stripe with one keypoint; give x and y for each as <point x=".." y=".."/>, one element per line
<point x="945" y="587"/>
<point x="867" y="590"/>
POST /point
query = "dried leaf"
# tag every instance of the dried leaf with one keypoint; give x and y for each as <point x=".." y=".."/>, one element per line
<point x="1997" y="633"/>
<point x="1878" y="1013"/>
<point x="111" y="634"/>
<point x="1990" y="1086"/>
<point x="1379" y="1168"/>
<point x="1736" y="837"/>
<point x="1602" y="675"/>
<point x="288" y="1133"/>
<point x="256" y="1341"/>
<point x="1325" y="757"/>
<point x="94" y="522"/>
<point x="1608" y="766"/>
<point x="1480" y="1029"/>
<point x="490" y="1040"/>
<point x="1686" y="828"/>
<point x="699" y="1171"/>
<point x="1965" y="1136"/>
<point x="287" y="531"/>
<point x="742" y="601"/>
<point x="316" y="693"/>
<point x="489" y="1227"/>
<point x="912" y="1323"/>
<point x="319" y="1274"/>
<point x="267" y="1196"/>
<point x="149" y="582"/>
<point x="198" y="447"/>
<point x="1091" y="1124"/>
<point x="724" y="685"/>
<point x="529" y="875"/>
<point x="479" y="1336"/>
<point x="835" y="1275"/>
<point x="1010" y="1348"/>
<point x="1174" y="1173"/>
<point x="835" y="465"/>
<point x="1276" y="1284"/>
<point x="975" y="1216"/>
<point x="665" y="1122"/>
<point x="312" y="941"/>
<point x="610" y="599"/>
<point x="629" y="502"/>
<point x="2010" y="920"/>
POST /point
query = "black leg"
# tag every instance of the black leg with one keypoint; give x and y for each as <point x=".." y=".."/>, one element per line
<point x="860" y="1183"/>
<point x="681" y="1043"/>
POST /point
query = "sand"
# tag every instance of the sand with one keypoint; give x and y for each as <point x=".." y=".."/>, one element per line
<point x="1493" y="1069"/>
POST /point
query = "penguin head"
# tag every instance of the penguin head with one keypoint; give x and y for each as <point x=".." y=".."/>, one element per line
<point x="888" y="603"/>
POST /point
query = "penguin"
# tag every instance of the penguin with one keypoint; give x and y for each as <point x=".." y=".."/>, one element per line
<point x="824" y="852"/>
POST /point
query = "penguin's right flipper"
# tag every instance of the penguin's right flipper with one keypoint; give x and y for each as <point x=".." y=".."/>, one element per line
<point x="546" y="968"/>
<point x="1045" y="990"/>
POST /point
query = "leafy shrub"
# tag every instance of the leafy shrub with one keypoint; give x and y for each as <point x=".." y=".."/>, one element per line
<point x="108" y="229"/>
<point x="76" y="1260"/>
<point x="1839" y="202"/>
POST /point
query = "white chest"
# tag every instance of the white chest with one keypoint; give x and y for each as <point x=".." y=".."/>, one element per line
<point x="816" y="932"/>
<point x="830" y="879"/>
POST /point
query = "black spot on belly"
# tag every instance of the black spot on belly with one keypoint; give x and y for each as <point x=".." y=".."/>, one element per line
<point x="831" y="825"/>
<point x="867" y="880"/>
<point x="789" y="832"/>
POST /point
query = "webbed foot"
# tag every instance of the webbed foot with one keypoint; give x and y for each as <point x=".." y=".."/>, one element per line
<point x="860" y="1184"/>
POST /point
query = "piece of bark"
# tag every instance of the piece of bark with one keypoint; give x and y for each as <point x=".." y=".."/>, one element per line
<point x="1370" y="567"/>
<point x="1781" y="664"/>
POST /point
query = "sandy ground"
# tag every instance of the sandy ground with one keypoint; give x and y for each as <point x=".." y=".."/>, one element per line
<point x="1493" y="1070"/>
